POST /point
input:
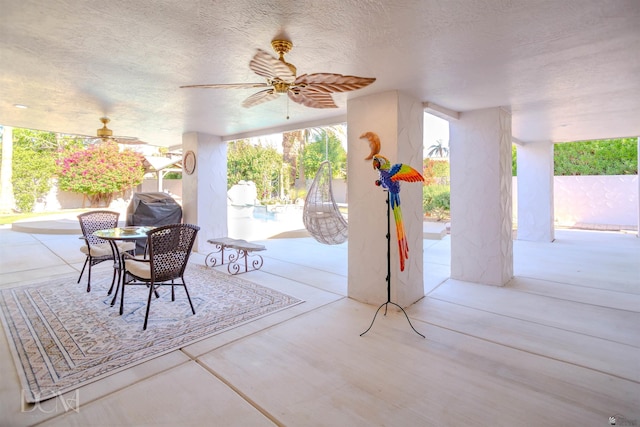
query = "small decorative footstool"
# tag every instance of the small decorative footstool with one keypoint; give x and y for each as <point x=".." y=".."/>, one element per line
<point x="241" y="250"/>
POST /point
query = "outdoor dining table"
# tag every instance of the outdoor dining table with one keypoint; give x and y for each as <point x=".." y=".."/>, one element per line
<point x="112" y="235"/>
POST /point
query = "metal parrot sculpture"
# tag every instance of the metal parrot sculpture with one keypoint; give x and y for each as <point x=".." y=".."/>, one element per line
<point x="390" y="178"/>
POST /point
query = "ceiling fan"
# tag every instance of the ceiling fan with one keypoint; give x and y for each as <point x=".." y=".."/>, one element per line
<point x="105" y="134"/>
<point x="310" y="90"/>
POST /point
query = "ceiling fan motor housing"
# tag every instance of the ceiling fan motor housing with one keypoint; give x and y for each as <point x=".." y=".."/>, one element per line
<point x="104" y="131"/>
<point x="280" y="87"/>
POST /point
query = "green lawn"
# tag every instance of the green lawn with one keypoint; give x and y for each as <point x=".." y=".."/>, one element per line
<point x="11" y="218"/>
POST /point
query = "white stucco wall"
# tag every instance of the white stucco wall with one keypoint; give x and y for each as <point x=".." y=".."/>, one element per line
<point x="170" y="186"/>
<point x="596" y="199"/>
<point x="604" y="200"/>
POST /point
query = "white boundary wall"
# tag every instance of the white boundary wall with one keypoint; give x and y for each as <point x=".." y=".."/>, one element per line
<point x="602" y="200"/>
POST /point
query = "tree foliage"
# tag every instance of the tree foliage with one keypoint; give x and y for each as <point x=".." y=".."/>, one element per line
<point x="325" y="146"/>
<point x="99" y="171"/>
<point x="294" y="146"/>
<point x="262" y="165"/>
<point x="32" y="176"/>
<point x="435" y="171"/>
<point x="33" y="166"/>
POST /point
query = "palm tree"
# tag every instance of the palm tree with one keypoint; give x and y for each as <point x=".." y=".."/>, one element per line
<point x="439" y="149"/>
<point x="291" y="142"/>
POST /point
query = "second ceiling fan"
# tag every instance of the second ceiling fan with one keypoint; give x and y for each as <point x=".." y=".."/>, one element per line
<point x="104" y="134"/>
<point x="310" y="90"/>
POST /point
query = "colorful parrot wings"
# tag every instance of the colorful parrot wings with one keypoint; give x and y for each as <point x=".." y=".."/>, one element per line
<point x="402" y="172"/>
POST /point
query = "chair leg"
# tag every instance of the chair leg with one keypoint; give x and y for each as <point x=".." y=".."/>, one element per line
<point x="146" y="316"/>
<point x="113" y="282"/>
<point x="83" y="267"/>
<point x="124" y="276"/>
<point x="89" y="276"/>
<point x="188" y="297"/>
<point x="173" y="293"/>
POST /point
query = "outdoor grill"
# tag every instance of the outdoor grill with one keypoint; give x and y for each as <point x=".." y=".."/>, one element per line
<point x="153" y="209"/>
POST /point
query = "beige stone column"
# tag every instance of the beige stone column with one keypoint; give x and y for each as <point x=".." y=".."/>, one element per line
<point x="204" y="193"/>
<point x="535" y="192"/>
<point x="397" y="119"/>
<point x="481" y="210"/>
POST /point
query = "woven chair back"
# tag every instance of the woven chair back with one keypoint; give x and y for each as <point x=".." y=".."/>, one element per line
<point x="97" y="220"/>
<point x="169" y="250"/>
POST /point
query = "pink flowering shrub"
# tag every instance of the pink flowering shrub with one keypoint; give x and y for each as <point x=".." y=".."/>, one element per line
<point x="100" y="171"/>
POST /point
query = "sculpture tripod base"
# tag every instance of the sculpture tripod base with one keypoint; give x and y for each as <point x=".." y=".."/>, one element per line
<point x="385" y="313"/>
<point x="386" y="304"/>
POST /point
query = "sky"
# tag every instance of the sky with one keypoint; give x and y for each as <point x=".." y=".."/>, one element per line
<point x="435" y="128"/>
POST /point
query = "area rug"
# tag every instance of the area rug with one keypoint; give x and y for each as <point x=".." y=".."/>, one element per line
<point x="63" y="338"/>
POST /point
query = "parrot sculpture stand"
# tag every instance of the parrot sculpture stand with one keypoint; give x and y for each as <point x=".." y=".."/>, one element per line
<point x="386" y="304"/>
<point x="390" y="177"/>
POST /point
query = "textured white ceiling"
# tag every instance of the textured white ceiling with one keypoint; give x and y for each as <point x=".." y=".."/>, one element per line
<point x="567" y="69"/>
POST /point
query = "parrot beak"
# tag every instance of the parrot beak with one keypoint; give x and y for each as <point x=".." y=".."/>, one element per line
<point x="376" y="164"/>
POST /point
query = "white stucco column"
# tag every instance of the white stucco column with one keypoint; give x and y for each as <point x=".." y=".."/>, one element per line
<point x="535" y="192"/>
<point x="6" y="192"/>
<point x="397" y="119"/>
<point x="204" y="193"/>
<point x="481" y="210"/>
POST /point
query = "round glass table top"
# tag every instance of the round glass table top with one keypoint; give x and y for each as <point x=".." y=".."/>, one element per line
<point x="123" y="233"/>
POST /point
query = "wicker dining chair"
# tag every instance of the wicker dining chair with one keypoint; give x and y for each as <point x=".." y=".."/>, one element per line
<point x="98" y="250"/>
<point x="169" y="250"/>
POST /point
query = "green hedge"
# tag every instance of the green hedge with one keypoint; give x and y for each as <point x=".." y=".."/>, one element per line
<point x="436" y="200"/>
<point x="601" y="157"/>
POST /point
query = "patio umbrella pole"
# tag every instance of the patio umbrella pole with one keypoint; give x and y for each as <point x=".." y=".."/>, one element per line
<point x="385" y="304"/>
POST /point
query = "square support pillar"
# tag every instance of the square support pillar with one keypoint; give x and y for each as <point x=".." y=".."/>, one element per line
<point x="481" y="210"/>
<point x="535" y="192"/>
<point x="398" y="120"/>
<point x="204" y="192"/>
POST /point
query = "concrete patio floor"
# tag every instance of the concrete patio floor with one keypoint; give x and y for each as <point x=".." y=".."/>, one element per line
<point x="560" y="345"/>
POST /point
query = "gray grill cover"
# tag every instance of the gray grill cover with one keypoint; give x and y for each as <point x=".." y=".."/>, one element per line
<point x="152" y="209"/>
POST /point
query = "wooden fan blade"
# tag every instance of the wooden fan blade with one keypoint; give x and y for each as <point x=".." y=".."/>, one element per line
<point x="313" y="99"/>
<point x="260" y="97"/>
<point x="272" y="68"/>
<point x="229" y="86"/>
<point x="329" y="82"/>
<point x="124" y="140"/>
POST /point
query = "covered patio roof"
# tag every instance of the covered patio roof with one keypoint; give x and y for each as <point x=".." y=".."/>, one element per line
<point x="567" y="70"/>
